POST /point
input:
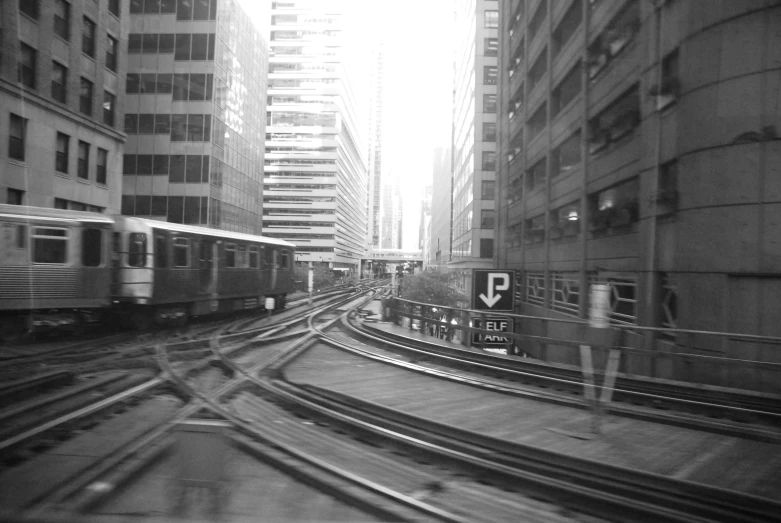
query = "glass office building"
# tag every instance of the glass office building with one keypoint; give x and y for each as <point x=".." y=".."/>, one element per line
<point x="195" y="114"/>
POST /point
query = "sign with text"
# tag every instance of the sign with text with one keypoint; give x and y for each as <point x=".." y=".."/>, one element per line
<point x="493" y="290"/>
<point x="498" y="325"/>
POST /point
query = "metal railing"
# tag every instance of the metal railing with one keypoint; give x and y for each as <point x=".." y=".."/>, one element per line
<point x="695" y="356"/>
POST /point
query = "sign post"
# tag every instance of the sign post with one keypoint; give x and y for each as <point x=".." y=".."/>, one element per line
<point x="492" y="291"/>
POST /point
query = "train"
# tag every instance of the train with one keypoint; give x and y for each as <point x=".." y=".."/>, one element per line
<point x="63" y="269"/>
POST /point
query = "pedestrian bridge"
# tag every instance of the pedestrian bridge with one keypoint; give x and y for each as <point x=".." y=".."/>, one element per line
<point x="394" y="255"/>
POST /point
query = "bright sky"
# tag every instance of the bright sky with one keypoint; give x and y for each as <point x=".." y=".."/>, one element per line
<point x="418" y="88"/>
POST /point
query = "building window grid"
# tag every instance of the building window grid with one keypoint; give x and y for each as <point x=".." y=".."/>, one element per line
<point x="537" y="19"/>
<point x="565" y="297"/>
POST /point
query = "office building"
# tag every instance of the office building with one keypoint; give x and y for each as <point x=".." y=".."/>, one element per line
<point x="640" y="148"/>
<point x="374" y="202"/>
<point x="315" y="180"/>
<point x="62" y="82"/>
<point x="439" y="237"/>
<point x="195" y="118"/>
<point x="474" y="139"/>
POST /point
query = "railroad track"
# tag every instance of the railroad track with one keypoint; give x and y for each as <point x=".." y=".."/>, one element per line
<point x="724" y="411"/>
<point x="388" y="464"/>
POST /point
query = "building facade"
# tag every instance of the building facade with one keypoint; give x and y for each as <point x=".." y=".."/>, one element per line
<point x="439" y="237"/>
<point x="315" y="181"/>
<point x="195" y="114"/>
<point x="474" y="139"/>
<point x="374" y="202"/>
<point x="640" y="144"/>
<point x="62" y="82"/>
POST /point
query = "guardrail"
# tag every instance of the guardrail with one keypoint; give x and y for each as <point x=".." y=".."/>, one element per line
<point x="678" y="354"/>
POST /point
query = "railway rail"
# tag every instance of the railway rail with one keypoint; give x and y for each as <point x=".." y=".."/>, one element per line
<point x="394" y="465"/>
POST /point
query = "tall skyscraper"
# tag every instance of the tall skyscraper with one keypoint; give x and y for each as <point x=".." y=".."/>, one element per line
<point x="195" y="118"/>
<point x="474" y="138"/>
<point x="62" y="83"/>
<point x="439" y="237"/>
<point x="315" y="170"/>
<point x="374" y="202"/>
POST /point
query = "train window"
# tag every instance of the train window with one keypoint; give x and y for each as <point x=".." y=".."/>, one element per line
<point x="161" y="252"/>
<point x="91" y="247"/>
<point x="243" y="262"/>
<point x="136" y="249"/>
<point x="21" y="236"/>
<point x="230" y="255"/>
<point x="50" y="245"/>
<point x="181" y="252"/>
<point x="283" y="259"/>
<point x="253" y="258"/>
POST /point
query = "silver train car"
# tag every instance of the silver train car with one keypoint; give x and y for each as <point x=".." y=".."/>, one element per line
<point x="60" y="270"/>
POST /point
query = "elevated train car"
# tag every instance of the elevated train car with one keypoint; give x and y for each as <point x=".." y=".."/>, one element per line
<point x="54" y="268"/>
<point x="60" y="269"/>
<point x="168" y="272"/>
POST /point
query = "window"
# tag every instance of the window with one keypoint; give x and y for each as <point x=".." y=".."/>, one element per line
<point x="667" y="191"/>
<point x="59" y="82"/>
<point x="184" y="10"/>
<point x="489" y="103"/>
<point x="82" y="170"/>
<point x="62" y="19"/>
<point x="284" y="259"/>
<point x="111" y="53"/>
<point x="487" y="218"/>
<point x="488" y="189"/>
<point x="59" y="203"/>
<point x="486" y="247"/>
<point x="131" y="123"/>
<point x="133" y="83"/>
<point x="491" y="19"/>
<point x="535" y="230"/>
<point x="538" y="121"/>
<point x="91" y="247"/>
<point x="619" y="32"/>
<point x="101" y="166"/>
<point x="85" y="97"/>
<point x="166" y="44"/>
<point x="15" y="197"/>
<point x="164" y="83"/>
<point x="536" y="174"/>
<point x="567" y="89"/>
<point x="50" y="245"/>
<point x="113" y="7"/>
<point x="242" y="260"/>
<point x="538" y="69"/>
<point x="614" y="209"/>
<point x="144" y="165"/>
<point x="61" y="158"/>
<point x="536" y="22"/>
<point x="108" y="108"/>
<point x="30" y="8"/>
<point x="254" y="259"/>
<point x="566" y="156"/>
<point x="489" y="131"/>
<point x="136" y="249"/>
<point x="149" y="43"/>
<point x="491" y="47"/>
<point x="168" y="6"/>
<point x="162" y="124"/>
<point x="17" y="131"/>
<point x="565" y="221"/>
<point x="152" y="7"/>
<point x="161" y="252"/>
<point x="230" y="255"/>
<point x="160" y="164"/>
<point x="567" y="27"/>
<point x="178" y="127"/>
<point x="489" y="75"/>
<point x="88" y="37"/>
<point x="182" y="49"/>
<point x="669" y="90"/>
<point x="134" y="43"/>
<point x="615" y="121"/>
<point x="26" y="68"/>
<point x="146" y="124"/>
<point x="489" y="161"/>
<point x="200" y="46"/>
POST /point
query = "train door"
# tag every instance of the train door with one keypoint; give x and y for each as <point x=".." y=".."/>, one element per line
<point x="206" y="267"/>
<point x="274" y="265"/>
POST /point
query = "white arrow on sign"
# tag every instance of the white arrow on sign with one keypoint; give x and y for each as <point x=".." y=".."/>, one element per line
<point x="492" y="298"/>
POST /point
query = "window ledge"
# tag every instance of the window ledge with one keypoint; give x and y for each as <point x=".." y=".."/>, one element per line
<point x="92" y="58"/>
<point x="101" y="186"/>
<point x="14" y="161"/>
<point x="82" y="180"/>
<point x="62" y="175"/>
<point x="61" y="39"/>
